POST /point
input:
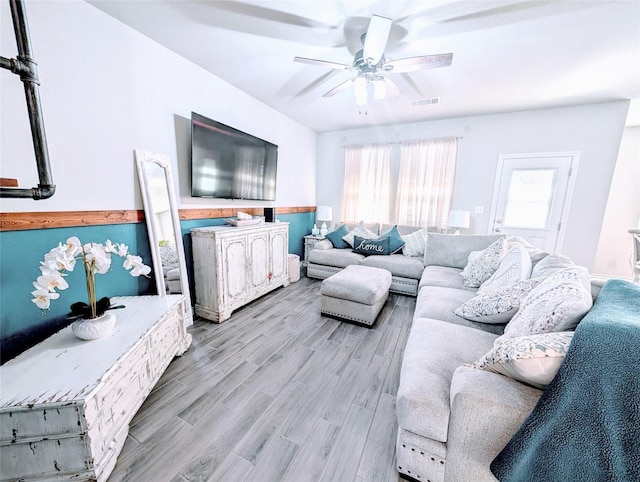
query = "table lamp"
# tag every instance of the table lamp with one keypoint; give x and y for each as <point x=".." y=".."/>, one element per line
<point x="458" y="219"/>
<point x="324" y="214"/>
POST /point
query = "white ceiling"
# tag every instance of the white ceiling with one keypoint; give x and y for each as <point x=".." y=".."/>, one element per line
<point x="507" y="55"/>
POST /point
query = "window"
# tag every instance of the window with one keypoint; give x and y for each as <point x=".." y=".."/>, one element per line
<point x="425" y="181"/>
<point x="367" y="183"/>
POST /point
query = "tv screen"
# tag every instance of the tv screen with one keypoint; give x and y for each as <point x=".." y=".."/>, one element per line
<point x="228" y="163"/>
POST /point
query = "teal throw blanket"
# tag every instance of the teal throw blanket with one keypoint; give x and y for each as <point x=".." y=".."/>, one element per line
<point x="586" y="425"/>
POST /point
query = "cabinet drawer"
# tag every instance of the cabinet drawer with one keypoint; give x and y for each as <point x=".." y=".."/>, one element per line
<point x="18" y="423"/>
<point x="46" y="457"/>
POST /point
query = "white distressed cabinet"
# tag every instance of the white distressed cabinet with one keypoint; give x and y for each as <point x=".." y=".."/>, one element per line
<point x="235" y="265"/>
<point x="66" y="404"/>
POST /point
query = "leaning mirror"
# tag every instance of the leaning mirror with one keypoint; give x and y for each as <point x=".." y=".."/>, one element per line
<point x="163" y="224"/>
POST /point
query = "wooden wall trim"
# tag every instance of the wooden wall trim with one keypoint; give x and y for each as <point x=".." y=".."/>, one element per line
<point x="66" y="219"/>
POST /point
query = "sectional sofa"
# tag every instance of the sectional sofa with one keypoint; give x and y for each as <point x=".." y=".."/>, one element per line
<point x="326" y="259"/>
<point x="494" y="318"/>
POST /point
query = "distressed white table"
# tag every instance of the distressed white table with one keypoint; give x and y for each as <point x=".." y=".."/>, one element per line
<point x="66" y="404"/>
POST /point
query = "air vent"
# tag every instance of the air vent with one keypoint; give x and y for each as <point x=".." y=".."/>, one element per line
<point x="418" y="103"/>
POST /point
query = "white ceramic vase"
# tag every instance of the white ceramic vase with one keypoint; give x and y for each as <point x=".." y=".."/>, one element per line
<point x="92" y="328"/>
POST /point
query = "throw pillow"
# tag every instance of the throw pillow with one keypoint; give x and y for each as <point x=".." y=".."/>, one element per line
<point x="336" y="237"/>
<point x="556" y="304"/>
<point x="395" y="239"/>
<point x="168" y="254"/>
<point x="361" y="231"/>
<point x="497" y="306"/>
<point x="532" y="359"/>
<point x="551" y="264"/>
<point x="514" y="267"/>
<point x="371" y="246"/>
<point x="480" y="268"/>
<point x="535" y="253"/>
<point x="415" y="243"/>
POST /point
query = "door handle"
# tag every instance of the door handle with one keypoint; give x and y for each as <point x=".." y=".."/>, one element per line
<point x="497" y="230"/>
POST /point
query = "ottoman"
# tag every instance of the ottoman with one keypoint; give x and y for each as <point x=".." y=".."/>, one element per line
<point x="357" y="293"/>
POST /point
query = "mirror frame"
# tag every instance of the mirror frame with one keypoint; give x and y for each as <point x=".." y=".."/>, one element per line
<point x="143" y="158"/>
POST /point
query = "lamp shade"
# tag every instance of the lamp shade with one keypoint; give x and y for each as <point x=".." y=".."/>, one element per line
<point x="458" y="219"/>
<point x="324" y="213"/>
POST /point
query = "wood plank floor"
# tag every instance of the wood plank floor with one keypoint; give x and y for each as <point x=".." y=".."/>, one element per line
<point x="276" y="393"/>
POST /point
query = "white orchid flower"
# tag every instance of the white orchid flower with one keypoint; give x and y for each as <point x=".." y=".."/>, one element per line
<point x="73" y="246"/>
<point x="96" y="254"/>
<point x="96" y="260"/>
<point x="57" y="259"/>
<point x="135" y="264"/>
<point x="52" y="280"/>
<point x="119" y="249"/>
<point x="42" y="297"/>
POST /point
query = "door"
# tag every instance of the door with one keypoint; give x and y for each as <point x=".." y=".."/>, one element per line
<point x="234" y="270"/>
<point x="279" y="245"/>
<point x="258" y="261"/>
<point x="532" y="195"/>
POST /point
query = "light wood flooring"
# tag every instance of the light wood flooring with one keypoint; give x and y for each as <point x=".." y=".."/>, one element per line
<point x="276" y="393"/>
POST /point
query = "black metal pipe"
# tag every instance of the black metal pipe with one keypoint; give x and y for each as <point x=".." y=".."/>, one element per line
<point x="27" y="69"/>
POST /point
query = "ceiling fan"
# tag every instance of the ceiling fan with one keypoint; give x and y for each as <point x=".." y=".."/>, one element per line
<point x="371" y="67"/>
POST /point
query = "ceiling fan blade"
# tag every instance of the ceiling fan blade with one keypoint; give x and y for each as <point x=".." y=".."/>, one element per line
<point x="376" y="38"/>
<point x="339" y="88"/>
<point x="411" y="64"/>
<point x="324" y="63"/>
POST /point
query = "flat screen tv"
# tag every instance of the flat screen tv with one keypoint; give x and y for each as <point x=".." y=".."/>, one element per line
<point x="231" y="164"/>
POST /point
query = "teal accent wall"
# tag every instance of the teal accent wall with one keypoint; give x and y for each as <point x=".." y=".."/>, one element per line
<point x="21" y="322"/>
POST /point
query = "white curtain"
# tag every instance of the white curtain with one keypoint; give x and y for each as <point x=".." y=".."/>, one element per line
<point x="367" y="171"/>
<point x="425" y="181"/>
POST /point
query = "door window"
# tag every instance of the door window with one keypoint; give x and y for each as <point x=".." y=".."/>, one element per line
<point x="529" y="198"/>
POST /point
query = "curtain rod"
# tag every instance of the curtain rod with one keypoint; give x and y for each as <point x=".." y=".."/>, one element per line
<point x="402" y="142"/>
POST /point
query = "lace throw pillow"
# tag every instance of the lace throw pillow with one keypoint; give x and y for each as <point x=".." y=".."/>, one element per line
<point x="514" y="267"/>
<point x="168" y="254"/>
<point x="480" y="268"/>
<point x="497" y="306"/>
<point x="556" y="304"/>
<point x="532" y="359"/>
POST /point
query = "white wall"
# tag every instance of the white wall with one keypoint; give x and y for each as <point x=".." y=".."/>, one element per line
<point x="107" y="90"/>
<point x="623" y="211"/>
<point x="594" y="130"/>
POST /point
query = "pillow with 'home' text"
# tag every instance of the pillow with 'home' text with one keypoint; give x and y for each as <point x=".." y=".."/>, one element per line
<point x="370" y="247"/>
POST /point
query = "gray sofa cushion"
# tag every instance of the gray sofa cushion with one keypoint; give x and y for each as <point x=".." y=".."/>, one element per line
<point x="422" y="403"/>
<point x="340" y="258"/>
<point x="443" y="276"/>
<point x="398" y="264"/>
<point x="438" y="303"/>
<point x="453" y="249"/>
<point x="486" y="411"/>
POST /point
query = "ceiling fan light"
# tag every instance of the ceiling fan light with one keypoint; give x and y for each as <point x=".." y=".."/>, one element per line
<point x="360" y="86"/>
<point x="379" y="89"/>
